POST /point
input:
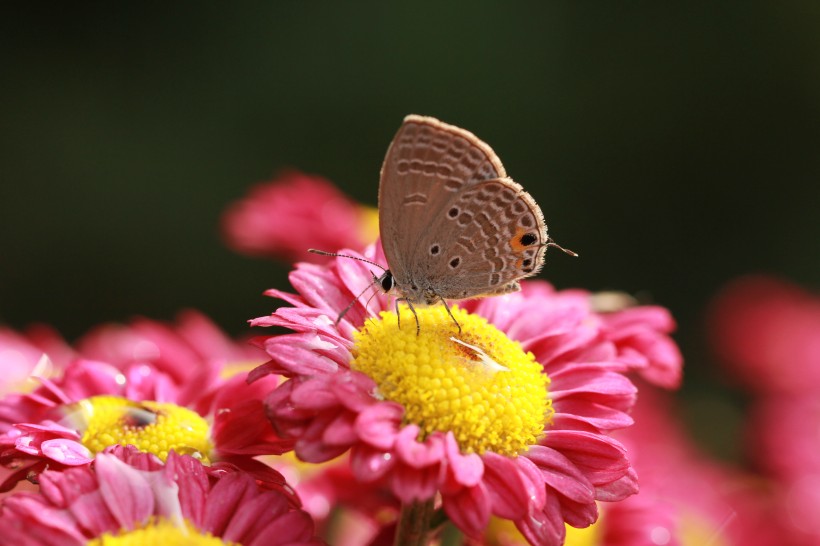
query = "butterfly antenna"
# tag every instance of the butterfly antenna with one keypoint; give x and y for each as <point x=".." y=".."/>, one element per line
<point x="350" y="305"/>
<point x="323" y="253"/>
<point x="551" y="242"/>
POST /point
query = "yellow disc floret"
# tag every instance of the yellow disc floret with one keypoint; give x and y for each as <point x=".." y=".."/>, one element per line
<point x="160" y="531"/>
<point x="478" y="384"/>
<point x="153" y="427"/>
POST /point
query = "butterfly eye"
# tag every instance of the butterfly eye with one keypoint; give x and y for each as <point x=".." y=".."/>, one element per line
<point x="387" y="281"/>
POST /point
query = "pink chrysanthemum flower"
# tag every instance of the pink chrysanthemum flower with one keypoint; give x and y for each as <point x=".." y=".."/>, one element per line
<point x="510" y="418"/>
<point x="284" y="217"/>
<point x="195" y="404"/>
<point x="128" y="497"/>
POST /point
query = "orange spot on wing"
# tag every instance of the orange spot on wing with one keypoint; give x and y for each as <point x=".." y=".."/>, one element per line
<point x="515" y="241"/>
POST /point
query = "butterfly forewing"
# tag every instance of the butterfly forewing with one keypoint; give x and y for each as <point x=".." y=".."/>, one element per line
<point x="451" y="222"/>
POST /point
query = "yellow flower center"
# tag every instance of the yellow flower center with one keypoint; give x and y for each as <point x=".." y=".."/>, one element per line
<point x="479" y="384"/>
<point x="153" y="427"/>
<point x="160" y="531"/>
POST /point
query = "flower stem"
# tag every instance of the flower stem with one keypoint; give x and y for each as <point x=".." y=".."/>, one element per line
<point x="414" y="524"/>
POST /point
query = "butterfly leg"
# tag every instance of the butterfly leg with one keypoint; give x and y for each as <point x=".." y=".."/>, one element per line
<point x="413" y="309"/>
<point x="450" y="313"/>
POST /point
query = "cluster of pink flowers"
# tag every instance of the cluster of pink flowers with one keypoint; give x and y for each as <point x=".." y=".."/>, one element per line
<point x="354" y="431"/>
<point x="767" y="333"/>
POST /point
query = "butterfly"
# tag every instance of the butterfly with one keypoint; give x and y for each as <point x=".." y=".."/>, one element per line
<point x="453" y="225"/>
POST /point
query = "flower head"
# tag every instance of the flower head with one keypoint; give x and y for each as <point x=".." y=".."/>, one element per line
<point x="295" y="211"/>
<point x="133" y="498"/>
<point x="177" y="396"/>
<point x="509" y="417"/>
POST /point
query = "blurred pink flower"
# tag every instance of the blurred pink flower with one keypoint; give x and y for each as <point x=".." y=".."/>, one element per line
<point x="181" y="350"/>
<point x="295" y="211"/>
<point x="39" y="350"/>
<point x="131" y="496"/>
<point x="330" y="409"/>
<point x="767" y="331"/>
<point x="783" y="437"/>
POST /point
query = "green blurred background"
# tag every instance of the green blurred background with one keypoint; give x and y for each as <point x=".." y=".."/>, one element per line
<point x="674" y="145"/>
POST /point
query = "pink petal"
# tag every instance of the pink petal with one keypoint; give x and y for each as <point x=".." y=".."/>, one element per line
<point x="591" y="414"/>
<point x="574" y="382"/>
<point x="578" y="514"/>
<point x="255" y="513"/>
<point x="413" y="484"/>
<point x="126" y="491"/>
<point x="506" y="489"/>
<point x="619" y="489"/>
<point x="297" y="359"/>
<point x="54" y="429"/>
<point x="561" y="474"/>
<point x="463" y="470"/>
<point x="600" y="458"/>
<point x="378" y="425"/>
<point x="66" y="452"/>
<point x="533" y="481"/>
<point x="314" y="394"/>
<point x="28" y="522"/>
<point x="312" y="451"/>
<point x="341" y="431"/>
<point x="469" y="509"/>
<point x="544" y="527"/>
<point x="193" y="486"/>
<point x="292" y="528"/>
<point x="231" y="491"/>
<point x="369" y="464"/>
<point x="418" y="454"/>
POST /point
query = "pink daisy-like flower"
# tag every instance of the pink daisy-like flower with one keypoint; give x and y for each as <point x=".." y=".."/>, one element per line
<point x="284" y="217"/>
<point x="196" y="403"/>
<point x="133" y="498"/>
<point x="511" y="417"/>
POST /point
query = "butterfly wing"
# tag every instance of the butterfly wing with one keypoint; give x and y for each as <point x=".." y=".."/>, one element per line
<point x="451" y="221"/>
<point x="491" y="235"/>
<point x="428" y="164"/>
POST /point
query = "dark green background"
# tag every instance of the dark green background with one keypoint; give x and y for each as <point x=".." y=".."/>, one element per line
<point x="674" y="145"/>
